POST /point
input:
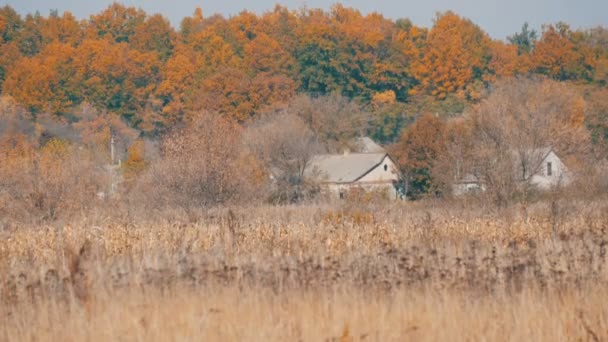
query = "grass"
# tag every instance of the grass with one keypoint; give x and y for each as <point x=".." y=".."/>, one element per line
<point x="419" y="271"/>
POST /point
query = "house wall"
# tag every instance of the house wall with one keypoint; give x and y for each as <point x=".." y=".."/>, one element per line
<point x="559" y="175"/>
<point x="378" y="174"/>
<point x="460" y="189"/>
<point x="334" y="190"/>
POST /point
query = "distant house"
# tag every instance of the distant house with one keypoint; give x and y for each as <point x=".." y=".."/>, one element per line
<point x="540" y="168"/>
<point x="369" y="170"/>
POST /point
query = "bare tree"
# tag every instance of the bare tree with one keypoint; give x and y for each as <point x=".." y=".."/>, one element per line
<point x="333" y="120"/>
<point x="285" y="145"/>
<point x="514" y="127"/>
<point x="200" y="166"/>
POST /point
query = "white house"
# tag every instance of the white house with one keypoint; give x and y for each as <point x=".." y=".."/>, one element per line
<point x="370" y="171"/>
<point x="541" y="168"/>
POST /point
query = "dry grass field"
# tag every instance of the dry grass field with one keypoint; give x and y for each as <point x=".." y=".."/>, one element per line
<point x="408" y="271"/>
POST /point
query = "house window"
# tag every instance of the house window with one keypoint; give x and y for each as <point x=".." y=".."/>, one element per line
<point x="549" y="169"/>
<point x="385" y="167"/>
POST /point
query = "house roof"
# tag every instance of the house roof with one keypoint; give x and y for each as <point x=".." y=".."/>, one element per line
<point x="367" y="145"/>
<point x="342" y="168"/>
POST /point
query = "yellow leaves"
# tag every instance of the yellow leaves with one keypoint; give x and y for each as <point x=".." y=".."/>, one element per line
<point x="560" y="55"/>
<point x="212" y="52"/>
<point x="264" y="54"/>
<point x="64" y="29"/>
<point x="454" y="50"/>
<point x="136" y="162"/>
<point x="370" y="30"/>
<point x="116" y="23"/>
<point x="505" y="60"/>
<point x="384" y="98"/>
<point x="36" y="82"/>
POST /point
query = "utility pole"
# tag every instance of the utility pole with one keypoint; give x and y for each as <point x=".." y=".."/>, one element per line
<point x="112" y="151"/>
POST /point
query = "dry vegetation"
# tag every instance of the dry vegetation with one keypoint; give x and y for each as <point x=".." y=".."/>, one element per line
<point x="423" y="271"/>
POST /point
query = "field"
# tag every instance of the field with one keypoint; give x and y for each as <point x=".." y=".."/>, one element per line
<point x="413" y="271"/>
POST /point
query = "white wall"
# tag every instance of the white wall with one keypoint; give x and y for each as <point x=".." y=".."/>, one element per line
<point x="378" y="174"/>
<point x="559" y="175"/>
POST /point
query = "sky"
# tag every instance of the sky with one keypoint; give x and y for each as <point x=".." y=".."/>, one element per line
<point x="500" y="18"/>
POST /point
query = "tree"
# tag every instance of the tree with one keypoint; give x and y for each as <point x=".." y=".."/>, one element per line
<point x="505" y="61"/>
<point x="30" y="37"/>
<point x="45" y="82"/>
<point x="264" y="54"/>
<point x="417" y="151"/>
<point x="524" y="40"/>
<point x="455" y="55"/>
<point x="235" y="94"/>
<point x="561" y="55"/>
<point x="11" y="24"/>
<point x="191" y="25"/>
<point x="200" y="166"/>
<point x="65" y="29"/>
<point x="136" y="161"/>
<point x="116" y="23"/>
<point x="333" y="120"/>
<point x="285" y="146"/>
<point x="155" y="35"/>
<point x="114" y="77"/>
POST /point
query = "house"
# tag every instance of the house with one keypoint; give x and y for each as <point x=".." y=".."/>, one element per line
<point x="469" y="184"/>
<point x="540" y="168"/>
<point x="370" y="171"/>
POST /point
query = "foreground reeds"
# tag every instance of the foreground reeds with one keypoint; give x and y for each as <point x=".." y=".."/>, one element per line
<point x="340" y="314"/>
<point x="311" y="273"/>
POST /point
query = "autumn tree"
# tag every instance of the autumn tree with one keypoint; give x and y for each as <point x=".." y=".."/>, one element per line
<point x="333" y="120"/>
<point x="64" y="29"/>
<point x="96" y="129"/>
<point x="454" y="57"/>
<point x="45" y="82"/>
<point x="191" y="25"/>
<point x="117" y="23"/>
<point x="200" y="166"/>
<point x="561" y="55"/>
<point x="524" y="40"/>
<point x="155" y="34"/>
<point x="48" y="183"/>
<point x="114" y="77"/>
<point x="285" y="146"/>
<point x="417" y="152"/>
<point x="30" y="37"/>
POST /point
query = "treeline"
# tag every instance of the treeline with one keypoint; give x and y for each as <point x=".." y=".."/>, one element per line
<point x="138" y="67"/>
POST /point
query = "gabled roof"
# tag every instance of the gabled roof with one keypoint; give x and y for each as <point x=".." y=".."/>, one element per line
<point x="342" y="168"/>
<point x="367" y="145"/>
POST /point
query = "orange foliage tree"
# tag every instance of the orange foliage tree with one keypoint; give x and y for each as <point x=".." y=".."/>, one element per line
<point x="561" y="55"/>
<point x="454" y="57"/>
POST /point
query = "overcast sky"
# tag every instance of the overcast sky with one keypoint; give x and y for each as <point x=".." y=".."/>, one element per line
<point x="499" y="18"/>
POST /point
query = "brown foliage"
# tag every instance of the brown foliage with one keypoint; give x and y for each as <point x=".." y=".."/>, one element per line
<point x="201" y="165"/>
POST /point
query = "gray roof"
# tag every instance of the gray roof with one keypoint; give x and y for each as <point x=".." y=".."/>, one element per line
<point x="342" y="168"/>
<point x="367" y="145"/>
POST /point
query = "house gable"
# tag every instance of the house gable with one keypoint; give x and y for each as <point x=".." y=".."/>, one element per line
<point x="385" y="171"/>
<point x="551" y="172"/>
